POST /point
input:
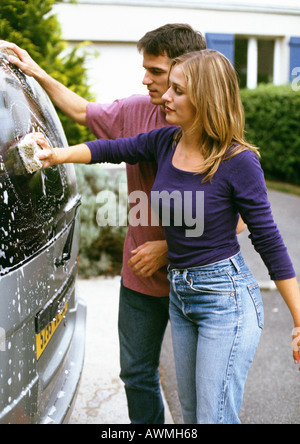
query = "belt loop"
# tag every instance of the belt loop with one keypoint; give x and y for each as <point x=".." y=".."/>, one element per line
<point x="235" y="264"/>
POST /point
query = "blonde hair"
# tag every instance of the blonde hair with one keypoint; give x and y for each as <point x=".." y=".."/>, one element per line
<point x="213" y="89"/>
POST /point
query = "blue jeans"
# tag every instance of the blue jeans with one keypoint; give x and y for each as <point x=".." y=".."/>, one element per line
<point x="217" y="318"/>
<point x="142" y="324"/>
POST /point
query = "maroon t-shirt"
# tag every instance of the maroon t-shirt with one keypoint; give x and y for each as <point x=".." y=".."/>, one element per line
<point x="128" y="118"/>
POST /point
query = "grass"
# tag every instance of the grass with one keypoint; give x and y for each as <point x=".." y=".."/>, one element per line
<point x="283" y="187"/>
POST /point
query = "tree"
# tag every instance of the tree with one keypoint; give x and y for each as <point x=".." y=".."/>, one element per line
<point x="32" y="26"/>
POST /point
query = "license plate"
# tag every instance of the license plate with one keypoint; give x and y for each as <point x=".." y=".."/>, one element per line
<point x="44" y="337"/>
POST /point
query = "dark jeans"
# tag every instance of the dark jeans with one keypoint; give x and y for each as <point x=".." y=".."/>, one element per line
<point x="142" y="324"/>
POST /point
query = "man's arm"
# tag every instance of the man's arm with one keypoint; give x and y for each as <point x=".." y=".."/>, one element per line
<point x="66" y="100"/>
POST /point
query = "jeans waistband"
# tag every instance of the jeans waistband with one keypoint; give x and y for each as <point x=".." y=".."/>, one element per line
<point x="237" y="261"/>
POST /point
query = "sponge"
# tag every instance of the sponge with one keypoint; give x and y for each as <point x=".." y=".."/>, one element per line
<point x="25" y="151"/>
<point x="28" y="150"/>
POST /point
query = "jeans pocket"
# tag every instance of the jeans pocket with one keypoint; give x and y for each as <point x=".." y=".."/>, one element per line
<point x="215" y="286"/>
<point x="255" y="294"/>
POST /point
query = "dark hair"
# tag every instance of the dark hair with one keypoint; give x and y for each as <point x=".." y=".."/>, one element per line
<point x="173" y="39"/>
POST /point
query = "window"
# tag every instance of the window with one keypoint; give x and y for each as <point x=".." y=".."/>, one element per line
<point x="223" y="43"/>
<point x="294" y="57"/>
<point x="265" y="73"/>
<point x="240" y="60"/>
<point x="254" y="61"/>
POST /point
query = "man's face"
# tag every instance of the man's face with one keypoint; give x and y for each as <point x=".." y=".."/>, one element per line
<point x="156" y="76"/>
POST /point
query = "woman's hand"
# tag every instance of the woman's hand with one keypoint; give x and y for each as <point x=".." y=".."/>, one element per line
<point x="48" y="154"/>
<point x="289" y="290"/>
<point x="56" y="156"/>
<point x="296" y="345"/>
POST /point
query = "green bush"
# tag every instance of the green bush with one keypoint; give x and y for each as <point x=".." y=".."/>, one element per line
<point x="33" y="26"/>
<point x="101" y="247"/>
<point x="272" y="124"/>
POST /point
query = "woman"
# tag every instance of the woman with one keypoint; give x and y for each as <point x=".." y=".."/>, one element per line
<point x="215" y="304"/>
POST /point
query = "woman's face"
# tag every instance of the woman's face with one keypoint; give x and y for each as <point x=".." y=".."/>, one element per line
<point x="178" y="107"/>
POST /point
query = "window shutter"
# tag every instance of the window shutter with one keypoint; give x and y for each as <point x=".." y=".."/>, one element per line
<point x="294" y="57"/>
<point x="223" y="43"/>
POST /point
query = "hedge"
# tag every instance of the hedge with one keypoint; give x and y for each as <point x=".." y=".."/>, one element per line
<point x="101" y="247"/>
<point x="273" y="124"/>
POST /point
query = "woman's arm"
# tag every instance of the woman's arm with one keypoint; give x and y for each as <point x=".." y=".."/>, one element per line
<point x="250" y="195"/>
<point x="101" y="151"/>
<point x="56" y="156"/>
<point x="241" y="226"/>
<point x="251" y="200"/>
<point x="144" y="147"/>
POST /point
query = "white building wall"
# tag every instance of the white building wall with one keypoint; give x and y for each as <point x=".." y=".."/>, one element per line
<point x="114" y="27"/>
<point x="117" y="72"/>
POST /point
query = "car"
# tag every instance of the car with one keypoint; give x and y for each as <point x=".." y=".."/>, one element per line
<point x="42" y="318"/>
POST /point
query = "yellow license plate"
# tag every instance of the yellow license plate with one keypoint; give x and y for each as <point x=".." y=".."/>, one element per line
<point x="44" y="337"/>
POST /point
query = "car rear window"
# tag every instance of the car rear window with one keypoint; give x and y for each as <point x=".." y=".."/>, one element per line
<point x="34" y="208"/>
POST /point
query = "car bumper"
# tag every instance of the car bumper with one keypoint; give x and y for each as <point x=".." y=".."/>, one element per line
<point x="61" y="403"/>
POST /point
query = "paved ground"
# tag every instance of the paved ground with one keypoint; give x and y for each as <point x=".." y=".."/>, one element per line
<point x="101" y="398"/>
<point x="272" y="392"/>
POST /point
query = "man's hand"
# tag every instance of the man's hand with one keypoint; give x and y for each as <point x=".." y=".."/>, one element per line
<point x="22" y="59"/>
<point x="66" y="100"/>
<point x="149" y="258"/>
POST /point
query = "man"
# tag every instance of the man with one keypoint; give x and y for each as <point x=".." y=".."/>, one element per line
<point x="143" y="310"/>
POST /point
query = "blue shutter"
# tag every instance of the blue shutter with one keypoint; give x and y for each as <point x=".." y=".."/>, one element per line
<point x="223" y="43"/>
<point x="294" y="55"/>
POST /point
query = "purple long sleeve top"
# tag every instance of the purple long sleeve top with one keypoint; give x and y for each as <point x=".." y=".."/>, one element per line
<point x="200" y="219"/>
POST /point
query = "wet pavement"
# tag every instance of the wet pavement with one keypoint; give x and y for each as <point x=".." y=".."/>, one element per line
<point x="272" y="394"/>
